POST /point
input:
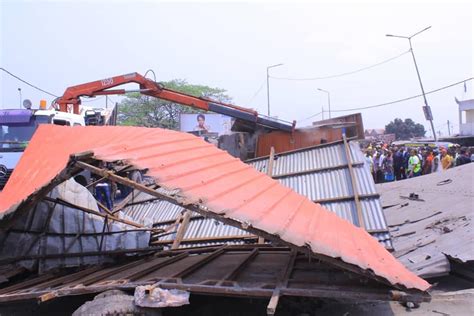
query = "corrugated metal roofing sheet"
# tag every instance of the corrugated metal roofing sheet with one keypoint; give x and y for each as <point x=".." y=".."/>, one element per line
<point x="213" y="180"/>
<point x="321" y="173"/>
<point x="320" y="182"/>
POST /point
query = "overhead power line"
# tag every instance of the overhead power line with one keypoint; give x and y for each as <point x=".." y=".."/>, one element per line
<point x="257" y="92"/>
<point x="404" y="99"/>
<point x="26" y="82"/>
<point x="344" y="73"/>
<point x="309" y="117"/>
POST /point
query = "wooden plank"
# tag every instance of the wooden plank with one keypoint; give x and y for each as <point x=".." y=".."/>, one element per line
<point x="109" y="212"/>
<point x="360" y="218"/>
<point x="273" y="304"/>
<point x="271" y="160"/>
<point x="129" y="199"/>
<point x="317" y="170"/>
<point x="347" y="198"/>
<point x="80" y="254"/>
<point x="206" y="239"/>
<point x="199" y="263"/>
<point x="181" y="230"/>
<point x="232" y="274"/>
<point x="157" y="266"/>
<point x="86" y="210"/>
<point x="282" y="283"/>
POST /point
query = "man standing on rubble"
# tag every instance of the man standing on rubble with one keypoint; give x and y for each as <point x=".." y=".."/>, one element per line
<point x="414" y="164"/>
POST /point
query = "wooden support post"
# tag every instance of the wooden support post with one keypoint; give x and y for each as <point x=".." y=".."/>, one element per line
<point x="360" y="218"/>
<point x="181" y="230"/>
<point x="283" y="282"/>
<point x="271" y="159"/>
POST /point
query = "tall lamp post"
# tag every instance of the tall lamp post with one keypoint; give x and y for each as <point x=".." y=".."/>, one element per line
<point x="426" y="108"/>
<point x="329" y="100"/>
<point x="268" y="87"/>
<point x="19" y="91"/>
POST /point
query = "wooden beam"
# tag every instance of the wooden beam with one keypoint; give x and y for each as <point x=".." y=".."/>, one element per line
<point x="282" y="283"/>
<point x="317" y="170"/>
<point x="202" y="261"/>
<point x="156" y="266"/>
<point x="181" y="230"/>
<point x="271" y="159"/>
<point x="241" y="265"/>
<point x="105" y="209"/>
<point x="80" y="254"/>
<point x="87" y="210"/>
<point x="206" y="239"/>
<point x="130" y="197"/>
<point x="348" y="198"/>
<point x="360" y="218"/>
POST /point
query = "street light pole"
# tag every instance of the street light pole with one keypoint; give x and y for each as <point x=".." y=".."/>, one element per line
<point x="329" y="100"/>
<point x="268" y="87"/>
<point x="428" y="114"/>
<point x="19" y="91"/>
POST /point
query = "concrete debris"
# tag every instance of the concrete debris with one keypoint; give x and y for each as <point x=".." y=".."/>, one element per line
<point x="152" y="296"/>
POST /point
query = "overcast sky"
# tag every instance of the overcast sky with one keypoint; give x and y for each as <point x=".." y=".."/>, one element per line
<point x="229" y="45"/>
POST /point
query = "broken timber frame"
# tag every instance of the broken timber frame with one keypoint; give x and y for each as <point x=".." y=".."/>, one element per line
<point x="220" y="217"/>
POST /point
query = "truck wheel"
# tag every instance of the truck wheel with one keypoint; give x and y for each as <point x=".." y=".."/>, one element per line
<point x="114" y="302"/>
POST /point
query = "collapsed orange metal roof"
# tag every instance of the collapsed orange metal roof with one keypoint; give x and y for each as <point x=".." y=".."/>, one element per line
<point x="208" y="176"/>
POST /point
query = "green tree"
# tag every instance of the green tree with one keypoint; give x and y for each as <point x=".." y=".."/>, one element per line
<point x="405" y="129"/>
<point x="140" y="110"/>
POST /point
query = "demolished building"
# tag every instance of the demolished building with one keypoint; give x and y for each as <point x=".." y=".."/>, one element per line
<point x="194" y="175"/>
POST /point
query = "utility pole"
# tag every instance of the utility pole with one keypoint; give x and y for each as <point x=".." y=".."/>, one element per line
<point x="449" y="129"/>
<point x="268" y="87"/>
<point x="322" y="112"/>
<point x="426" y="108"/>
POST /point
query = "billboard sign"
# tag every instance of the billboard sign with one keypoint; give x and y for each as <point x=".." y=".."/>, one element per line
<point x="204" y="123"/>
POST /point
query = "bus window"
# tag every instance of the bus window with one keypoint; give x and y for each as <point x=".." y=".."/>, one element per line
<point x="62" y="122"/>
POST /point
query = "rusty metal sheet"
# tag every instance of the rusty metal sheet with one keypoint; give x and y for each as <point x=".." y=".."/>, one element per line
<point x="213" y="180"/>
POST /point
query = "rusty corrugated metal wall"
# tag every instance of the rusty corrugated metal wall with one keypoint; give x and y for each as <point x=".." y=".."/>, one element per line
<point x="325" y="131"/>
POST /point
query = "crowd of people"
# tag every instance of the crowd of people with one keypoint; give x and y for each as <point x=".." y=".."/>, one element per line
<point x="393" y="163"/>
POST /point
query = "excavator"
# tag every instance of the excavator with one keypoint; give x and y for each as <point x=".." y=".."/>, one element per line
<point x="70" y="101"/>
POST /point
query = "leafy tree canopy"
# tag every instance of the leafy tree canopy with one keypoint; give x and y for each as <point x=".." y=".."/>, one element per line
<point x="405" y="130"/>
<point x="140" y="110"/>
